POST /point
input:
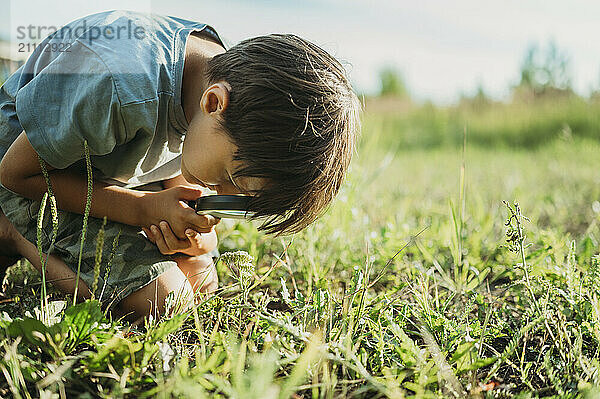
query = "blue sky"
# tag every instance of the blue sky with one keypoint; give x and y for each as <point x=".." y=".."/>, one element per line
<point x="443" y="48"/>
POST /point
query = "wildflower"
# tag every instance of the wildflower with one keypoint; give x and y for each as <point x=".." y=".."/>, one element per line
<point x="241" y="264"/>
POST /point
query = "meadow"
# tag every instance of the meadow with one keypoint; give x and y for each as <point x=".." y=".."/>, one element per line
<point x="460" y="259"/>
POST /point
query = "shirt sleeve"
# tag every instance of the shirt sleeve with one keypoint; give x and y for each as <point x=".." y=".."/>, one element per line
<point x="71" y="99"/>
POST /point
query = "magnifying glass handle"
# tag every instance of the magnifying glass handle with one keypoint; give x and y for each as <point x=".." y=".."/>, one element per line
<point x="192" y="204"/>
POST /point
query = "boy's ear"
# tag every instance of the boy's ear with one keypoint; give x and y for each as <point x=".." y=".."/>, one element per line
<point x="215" y="98"/>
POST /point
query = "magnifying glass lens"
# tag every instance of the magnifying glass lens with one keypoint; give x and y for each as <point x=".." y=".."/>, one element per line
<point x="227" y="214"/>
<point x="223" y="206"/>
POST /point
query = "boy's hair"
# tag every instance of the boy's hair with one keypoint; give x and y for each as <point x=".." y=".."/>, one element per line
<point x="294" y="117"/>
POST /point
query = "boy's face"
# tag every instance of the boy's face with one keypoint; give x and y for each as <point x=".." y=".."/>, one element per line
<point x="207" y="156"/>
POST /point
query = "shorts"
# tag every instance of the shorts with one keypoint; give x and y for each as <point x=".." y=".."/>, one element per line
<point x="135" y="263"/>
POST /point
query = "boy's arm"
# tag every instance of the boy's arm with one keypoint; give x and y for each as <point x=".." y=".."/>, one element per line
<point x="20" y="172"/>
<point x="176" y="181"/>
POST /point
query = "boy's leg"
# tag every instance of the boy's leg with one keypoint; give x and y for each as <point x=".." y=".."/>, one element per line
<point x="193" y="275"/>
<point x="56" y="270"/>
<point x="8" y="254"/>
<point x="148" y="300"/>
<point x="200" y="272"/>
<point x="137" y="270"/>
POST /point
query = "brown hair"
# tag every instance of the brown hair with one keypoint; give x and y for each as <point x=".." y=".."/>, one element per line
<point x="294" y="117"/>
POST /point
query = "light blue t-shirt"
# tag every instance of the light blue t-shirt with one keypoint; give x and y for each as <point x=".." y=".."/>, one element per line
<point x="114" y="79"/>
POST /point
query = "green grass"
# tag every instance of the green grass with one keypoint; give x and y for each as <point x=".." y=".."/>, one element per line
<point x="356" y="305"/>
<point x="520" y="124"/>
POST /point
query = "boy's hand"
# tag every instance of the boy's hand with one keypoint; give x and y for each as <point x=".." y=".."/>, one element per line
<point x="170" y="205"/>
<point x="193" y="245"/>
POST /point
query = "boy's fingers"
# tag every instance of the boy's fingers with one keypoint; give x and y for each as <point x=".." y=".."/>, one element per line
<point x="160" y="241"/>
<point x="207" y="220"/>
<point x="189" y="193"/>
<point x="173" y="242"/>
<point x="202" y="223"/>
<point x="192" y="235"/>
<point x="149" y="235"/>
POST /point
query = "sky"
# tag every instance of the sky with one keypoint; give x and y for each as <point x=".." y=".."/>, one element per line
<point x="442" y="48"/>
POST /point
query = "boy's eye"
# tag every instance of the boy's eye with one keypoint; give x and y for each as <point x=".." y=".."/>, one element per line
<point x="234" y="183"/>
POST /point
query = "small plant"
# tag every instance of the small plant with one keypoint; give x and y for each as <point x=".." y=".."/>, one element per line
<point x="515" y="239"/>
<point x="40" y="222"/>
<point x="241" y="263"/>
<point x="86" y="214"/>
<point x="98" y="257"/>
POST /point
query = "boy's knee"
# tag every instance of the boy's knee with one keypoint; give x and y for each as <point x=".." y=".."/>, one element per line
<point x="209" y="242"/>
<point x="151" y="299"/>
<point x="200" y="272"/>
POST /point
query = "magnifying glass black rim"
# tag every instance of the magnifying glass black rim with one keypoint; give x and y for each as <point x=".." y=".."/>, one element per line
<point x="223" y="202"/>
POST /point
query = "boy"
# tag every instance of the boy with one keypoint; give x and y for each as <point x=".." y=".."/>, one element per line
<point x="167" y="112"/>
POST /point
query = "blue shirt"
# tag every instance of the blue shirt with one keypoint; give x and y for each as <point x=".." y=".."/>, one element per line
<point x="112" y="78"/>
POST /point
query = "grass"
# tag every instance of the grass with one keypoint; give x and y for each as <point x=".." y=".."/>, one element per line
<point x="523" y="123"/>
<point x="418" y="282"/>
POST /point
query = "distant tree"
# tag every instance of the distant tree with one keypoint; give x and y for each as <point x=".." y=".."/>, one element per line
<point x="481" y="96"/>
<point x="477" y="100"/>
<point x="529" y="67"/>
<point x="392" y="83"/>
<point x="595" y="91"/>
<point x="545" y="72"/>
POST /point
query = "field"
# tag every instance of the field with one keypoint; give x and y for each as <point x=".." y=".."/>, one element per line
<point x="419" y="281"/>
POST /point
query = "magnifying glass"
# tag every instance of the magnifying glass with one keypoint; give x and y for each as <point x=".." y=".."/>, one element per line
<point x="223" y="206"/>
